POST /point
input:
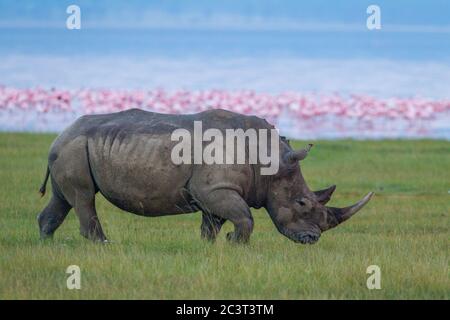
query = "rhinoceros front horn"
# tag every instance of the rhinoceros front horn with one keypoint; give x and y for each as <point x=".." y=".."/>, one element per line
<point x="343" y="214"/>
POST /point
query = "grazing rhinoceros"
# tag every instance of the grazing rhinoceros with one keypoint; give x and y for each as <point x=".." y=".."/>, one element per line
<point x="127" y="157"/>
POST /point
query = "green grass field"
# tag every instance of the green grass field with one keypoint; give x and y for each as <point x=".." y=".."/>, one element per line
<point x="404" y="230"/>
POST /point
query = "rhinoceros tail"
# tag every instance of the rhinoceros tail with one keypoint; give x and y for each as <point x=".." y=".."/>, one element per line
<point x="44" y="184"/>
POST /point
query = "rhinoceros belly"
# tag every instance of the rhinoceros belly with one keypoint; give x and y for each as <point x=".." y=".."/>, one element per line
<point x="135" y="172"/>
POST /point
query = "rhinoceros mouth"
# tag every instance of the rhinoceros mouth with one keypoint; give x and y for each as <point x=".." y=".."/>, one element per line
<point x="304" y="237"/>
<point x="307" y="238"/>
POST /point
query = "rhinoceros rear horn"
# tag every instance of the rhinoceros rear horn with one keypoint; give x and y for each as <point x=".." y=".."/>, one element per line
<point x="298" y="155"/>
<point x="343" y="214"/>
<point x="323" y="196"/>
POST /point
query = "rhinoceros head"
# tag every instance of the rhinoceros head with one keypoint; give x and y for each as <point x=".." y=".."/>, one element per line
<point x="299" y="213"/>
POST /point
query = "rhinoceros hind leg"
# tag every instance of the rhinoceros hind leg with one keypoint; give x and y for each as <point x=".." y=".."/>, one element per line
<point x="211" y="225"/>
<point x="229" y="205"/>
<point x="90" y="226"/>
<point x="72" y="174"/>
<point x="52" y="216"/>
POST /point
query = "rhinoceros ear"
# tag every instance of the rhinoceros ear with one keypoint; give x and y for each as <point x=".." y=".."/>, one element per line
<point x="323" y="196"/>
<point x="283" y="138"/>
<point x="298" y="155"/>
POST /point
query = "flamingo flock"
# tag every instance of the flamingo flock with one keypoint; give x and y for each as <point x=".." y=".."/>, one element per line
<point x="301" y="106"/>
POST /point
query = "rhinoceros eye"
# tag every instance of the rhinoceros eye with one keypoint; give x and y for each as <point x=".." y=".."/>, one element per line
<point x="301" y="202"/>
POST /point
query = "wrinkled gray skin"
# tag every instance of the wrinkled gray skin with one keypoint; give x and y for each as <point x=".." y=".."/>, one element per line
<point x="127" y="157"/>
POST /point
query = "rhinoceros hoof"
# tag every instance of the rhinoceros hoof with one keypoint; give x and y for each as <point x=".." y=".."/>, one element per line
<point x="231" y="237"/>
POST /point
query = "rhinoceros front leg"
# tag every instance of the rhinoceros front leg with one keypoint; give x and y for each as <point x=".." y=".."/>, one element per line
<point x="229" y="205"/>
<point x="211" y="225"/>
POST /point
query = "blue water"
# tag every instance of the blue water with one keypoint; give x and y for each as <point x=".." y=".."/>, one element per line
<point x="225" y="44"/>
